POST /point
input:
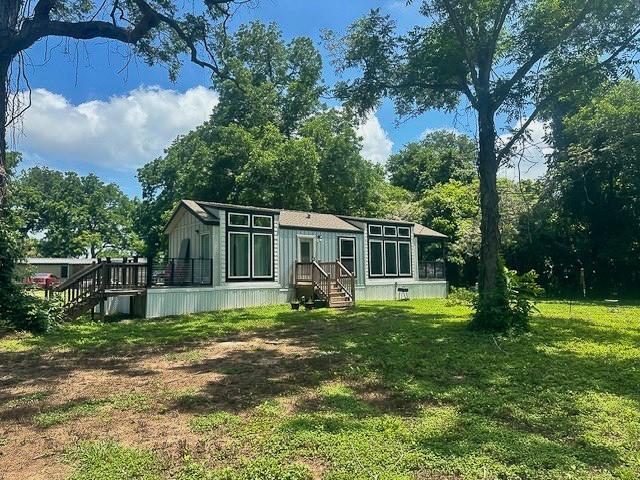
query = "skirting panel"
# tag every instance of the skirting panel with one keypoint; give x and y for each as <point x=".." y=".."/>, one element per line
<point x="416" y="290"/>
<point x="180" y="301"/>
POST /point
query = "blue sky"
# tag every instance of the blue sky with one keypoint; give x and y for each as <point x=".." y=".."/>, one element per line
<point x="91" y="113"/>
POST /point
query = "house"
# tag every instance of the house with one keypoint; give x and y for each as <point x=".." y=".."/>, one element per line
<point x="229" y="256"/>
<point x="224" y="256"/>
<point x="62" y="268"/>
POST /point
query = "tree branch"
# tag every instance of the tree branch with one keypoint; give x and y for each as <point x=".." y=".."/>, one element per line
<point x="502" y="91"/>
<point x="462" y="39"/>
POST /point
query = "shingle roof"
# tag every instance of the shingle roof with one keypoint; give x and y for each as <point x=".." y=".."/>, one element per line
<point x="315" y="221"/>
<point x="422" y="231"/>
<point x="200" y="210"/>
<point x="381" y="220"/>
<point x="240" y="207"/>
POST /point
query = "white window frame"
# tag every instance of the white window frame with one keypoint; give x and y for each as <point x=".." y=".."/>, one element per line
<point x="408" y="229"/>
<point x="253" y="263"/>
<point x="245" y="215"/>
<point x="394" y="234"/>
<point x="238" y="277"/>
<point x="313" y="246"/>
<point x="384" y="257"/>
<point x="210" y="245"/>
<point x="374" y="275"/>
<point x="376" y="234"/>
<point x="253" y="221"/>
<point x="405" y="274"/>
<point x="352" y="257"/>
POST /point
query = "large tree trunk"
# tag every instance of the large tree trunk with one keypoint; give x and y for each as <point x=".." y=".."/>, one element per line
<point x="5" y="63"/>
<point x="489" y="226"/>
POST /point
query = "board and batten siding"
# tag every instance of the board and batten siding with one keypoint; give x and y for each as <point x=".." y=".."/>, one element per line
<point x="188" y="226"/>
<point x="325" y="250"/>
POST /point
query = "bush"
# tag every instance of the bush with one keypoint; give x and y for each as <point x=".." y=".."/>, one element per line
<point x="19" y="310"/>
<point x="461" y="296"/>
<point x="510" y="308"/>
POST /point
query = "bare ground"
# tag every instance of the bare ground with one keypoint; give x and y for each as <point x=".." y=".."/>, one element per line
<point x="165" y="387"/>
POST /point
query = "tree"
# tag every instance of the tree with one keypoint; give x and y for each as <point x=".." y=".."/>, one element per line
<point x="439" y="157"/>
<point x="595" y="184"/>
<point x="75" y="215"/>
<point x="269" y="142"/>
<point x="157" y="30"/>
<point x="500" y="58"/>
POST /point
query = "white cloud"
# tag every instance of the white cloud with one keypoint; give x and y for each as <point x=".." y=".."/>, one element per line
<point x="376" y="144"/>
<point x="529" y="160"/>
<point x="121" y="133"/>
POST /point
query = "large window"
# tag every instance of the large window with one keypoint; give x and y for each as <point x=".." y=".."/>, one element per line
<point x="404" y="258"/>
<point x="262" y="255"/>
<point x="238" y="255"/>
<point x="375" y="258"/>
<point x="250" y="246"/>
<point x="389" y="256"/>
<point x="347" y="252"/>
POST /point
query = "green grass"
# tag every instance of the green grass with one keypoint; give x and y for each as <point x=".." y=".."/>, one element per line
<point x="394" y="391"/>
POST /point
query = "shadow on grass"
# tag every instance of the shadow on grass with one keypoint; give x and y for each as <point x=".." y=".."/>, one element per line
<point x="519" y="396"/>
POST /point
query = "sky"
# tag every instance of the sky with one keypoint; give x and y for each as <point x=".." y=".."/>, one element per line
<point x="91" y="111"/>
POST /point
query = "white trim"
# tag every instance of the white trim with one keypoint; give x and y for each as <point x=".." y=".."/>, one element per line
<point x="210" y="245"/>
<point x="348" y="257"/>
<point x="376" y="234"/>
<point x="395" y="244"/>
<point x="374" y="275"/>
<point x="408" y="229"/>
<point x="238" y="277"/>
<point x="384" y="231"/>
<point x="253" y="262"/>
<point x="313" y="245"/>
<point x="246" y="215"/>
<point x="253" y="221"/>
<point x="409" y="273"/>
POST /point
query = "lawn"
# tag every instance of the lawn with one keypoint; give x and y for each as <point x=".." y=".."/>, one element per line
<point x="387" y="390"/>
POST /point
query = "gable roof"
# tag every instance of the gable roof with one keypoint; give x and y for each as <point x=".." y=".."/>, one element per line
<point x="315" y="221"/>
<point x="422" y="231"/>
<point x="204" y="211"/>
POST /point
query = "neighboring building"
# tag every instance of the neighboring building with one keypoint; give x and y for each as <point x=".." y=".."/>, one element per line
<point x="62" y="268"/>
<point x="229" y="256"/>
<point x="233" y="256"/>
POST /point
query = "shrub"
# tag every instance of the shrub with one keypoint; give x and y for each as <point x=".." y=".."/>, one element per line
<point x="511" y="305"/>
<point x="461" y="296"/>
<point x="19" y="310"/>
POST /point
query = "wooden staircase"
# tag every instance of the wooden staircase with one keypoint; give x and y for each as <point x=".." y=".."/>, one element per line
<point x="91" y="286"/>
<point x="330" y="282"/>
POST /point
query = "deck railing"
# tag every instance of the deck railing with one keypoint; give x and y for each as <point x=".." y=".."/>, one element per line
<point x="432" y="270"/>
<point x="174" y="272"/>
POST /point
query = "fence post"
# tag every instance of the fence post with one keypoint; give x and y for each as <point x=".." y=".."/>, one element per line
<point x="149" y="272"/>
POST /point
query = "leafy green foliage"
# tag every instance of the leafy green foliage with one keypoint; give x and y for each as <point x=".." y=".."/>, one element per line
<point x="269" y="142"/>
<point x="76" y="215"/>
<point x="112" y="461"/>
<point x="440" y="157"/>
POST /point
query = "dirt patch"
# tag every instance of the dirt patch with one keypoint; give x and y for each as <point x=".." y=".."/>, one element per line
<point x="143" y="398"/>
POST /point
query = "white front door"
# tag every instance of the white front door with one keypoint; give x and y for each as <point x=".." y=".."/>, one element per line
<point x="305" y="249"/>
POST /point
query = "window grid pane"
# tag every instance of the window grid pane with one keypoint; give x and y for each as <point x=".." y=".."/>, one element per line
<point x="239" y="255"/>
<point x="404" y="252"/>
<point x="375" y="261"/>
<point x="390" y="258"/>
<point x="262" y="255"/>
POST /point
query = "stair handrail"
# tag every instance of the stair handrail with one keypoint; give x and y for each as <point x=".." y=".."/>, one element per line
<point x="324" y="287"/>
<point x="352" y="291"/>
<point x="73" y="279"/>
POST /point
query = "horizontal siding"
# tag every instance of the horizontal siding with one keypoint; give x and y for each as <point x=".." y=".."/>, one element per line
<point x="181" y="301"/>
<point x="164" y="302"/>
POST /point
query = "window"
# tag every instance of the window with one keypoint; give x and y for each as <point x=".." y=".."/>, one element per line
<point x="238" y="261"/>
<point x="238" y="219"/>
<point x="375" y="230"/>
<point x="250" y="250"/>
<point x="404" y="232"/>
<point x="262" y="255"/>
<point x="262" y="221"/>
<point x="391" y="258"/>
<point x="389" y="231"/>
<point x="64" y="271"/>
<point x="348" y="253"/>
<point x="404" y="258"/>
<point x="375" y="258"/>
<point x="205" y="246"/>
